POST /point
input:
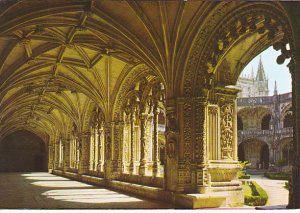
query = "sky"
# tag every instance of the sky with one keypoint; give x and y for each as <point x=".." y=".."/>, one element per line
<point x="273" y="71"/>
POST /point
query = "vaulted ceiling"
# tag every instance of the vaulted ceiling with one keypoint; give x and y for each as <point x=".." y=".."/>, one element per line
<point x="60" y="59"/>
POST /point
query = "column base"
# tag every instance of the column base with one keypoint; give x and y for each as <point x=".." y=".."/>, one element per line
<point x="211" y="200"/>
<point x="156" y="169"/>
<point x="131" y="168"/>
<point x="83" y="169"/>
<point x="142" y="168"/>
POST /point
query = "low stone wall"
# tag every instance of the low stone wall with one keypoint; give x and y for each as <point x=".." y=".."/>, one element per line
<point x="180" y="200"/>
<point x="143" y="180"/>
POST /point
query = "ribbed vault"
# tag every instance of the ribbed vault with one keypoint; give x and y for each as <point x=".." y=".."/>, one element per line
<point x="85" y="49"/>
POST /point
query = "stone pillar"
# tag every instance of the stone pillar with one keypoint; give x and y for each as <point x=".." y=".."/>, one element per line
<point x="200" y="144"/>
<point x="118" y="147"/>
<point x="84" y="153"/>
<point x="271" y="154"/>
<point x="223" y="165"/>
<point x="51" y="155"/>
<point x="132" y="121"/>
<point x="171" y="174"/>
<point x="213" y="132"/>
<point x="56" y="155"/>
<point x="99" y="165"/>
<point x="95" y="149"/>
<point x="143" y="123"/>
<point x="155" y="157"/>
<point x="186" y="145"/>
<point x="66" y="143"/>
<point x="107" y="152"/>
<point x="294" y="182"/>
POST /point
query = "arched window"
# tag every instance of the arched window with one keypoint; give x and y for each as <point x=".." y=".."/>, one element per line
<point x="240" y="125"/>
<point x="265" y="122"/>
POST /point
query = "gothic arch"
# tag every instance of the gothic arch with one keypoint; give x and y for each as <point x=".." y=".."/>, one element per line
<point x="125" y="84"/>
<point x="271" y="19"/>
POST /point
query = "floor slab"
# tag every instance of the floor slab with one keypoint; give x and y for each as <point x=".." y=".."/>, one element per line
<point x="47" y="191"/>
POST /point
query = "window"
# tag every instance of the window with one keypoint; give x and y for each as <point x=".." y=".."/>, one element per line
<point x="265" y="123"/>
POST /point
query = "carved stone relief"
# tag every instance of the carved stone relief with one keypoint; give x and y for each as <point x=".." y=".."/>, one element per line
<point x="226" y="117"/>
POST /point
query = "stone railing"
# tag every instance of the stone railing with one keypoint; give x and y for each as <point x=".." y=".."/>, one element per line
<point x="255" y="132"/>
<point x="262" y="100"/>
<point x="284" y="132"/>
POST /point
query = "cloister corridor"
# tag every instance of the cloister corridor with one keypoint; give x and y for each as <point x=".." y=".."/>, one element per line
<point x="41" y="190"/>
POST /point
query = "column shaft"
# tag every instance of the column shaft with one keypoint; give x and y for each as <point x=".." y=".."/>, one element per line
<point x="156" y="162"/>
<point x="143" y="122"/>
<point x="84" y="153"/>
<point x="131" y="165"/>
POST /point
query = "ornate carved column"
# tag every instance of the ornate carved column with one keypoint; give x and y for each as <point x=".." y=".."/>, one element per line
<point x="95" y="149"/>
<point x="107" y="151"/>
<point x="186" y="144"/>
<point x="118" y="144"/>
<point x="66" y="143"/>
<point x="228" y="122"/>
<point x="84" y="152"/>
<point x="155" y="158"/>
<point x="143" y="123"/>
<point x="172" y="178"/>
<point x="132" y="121"/>
<point x="222" y="162"/>
<point x="200" y="144"/>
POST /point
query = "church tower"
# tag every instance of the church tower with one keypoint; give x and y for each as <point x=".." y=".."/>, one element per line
<point x="261" y="80"/>
<point x="254" y="86"/>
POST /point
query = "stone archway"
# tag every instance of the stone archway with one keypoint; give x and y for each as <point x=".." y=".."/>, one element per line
<point x="22" y="151"/>
<point x="255" y="152"/>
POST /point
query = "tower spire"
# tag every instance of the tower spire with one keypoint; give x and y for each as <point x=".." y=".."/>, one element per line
<point x="275" y="88"/>
<point x="260" y="75"/>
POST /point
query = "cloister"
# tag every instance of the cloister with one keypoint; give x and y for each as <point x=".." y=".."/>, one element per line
<point x="140" y="92"/>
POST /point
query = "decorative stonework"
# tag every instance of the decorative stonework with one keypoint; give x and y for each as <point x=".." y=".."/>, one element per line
<point x="200" y="128"/>
<point x="226" y="116"/>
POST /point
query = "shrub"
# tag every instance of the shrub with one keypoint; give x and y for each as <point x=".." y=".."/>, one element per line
<point x="277" y="176"/>
<point x="286" y="185"/>
<point x="242" y="173"/>
<point x="254" y="195"/>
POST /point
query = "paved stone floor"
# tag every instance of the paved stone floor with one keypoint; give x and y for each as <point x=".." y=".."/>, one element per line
<point x="278" y="195"/>
<point x="47" y="191"/>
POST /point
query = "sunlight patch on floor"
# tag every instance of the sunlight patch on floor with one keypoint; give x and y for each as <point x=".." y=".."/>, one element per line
<point x="79" y="192"/>
<point x="61" y="184"/>
<point x="37" y="174"/>
<point x="89" y="196"/>
<point x="47" y="178"/>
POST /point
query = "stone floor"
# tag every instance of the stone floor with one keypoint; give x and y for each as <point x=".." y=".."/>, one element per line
<point x="47" y="191"/>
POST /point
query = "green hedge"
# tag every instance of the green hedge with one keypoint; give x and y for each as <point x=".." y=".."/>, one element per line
<point x="244" y="177"/>
<point x="254" y="195"/>
<point x="277" y="176"/>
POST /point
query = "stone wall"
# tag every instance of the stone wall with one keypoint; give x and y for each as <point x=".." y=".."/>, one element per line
<point x="22" y="152"/>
